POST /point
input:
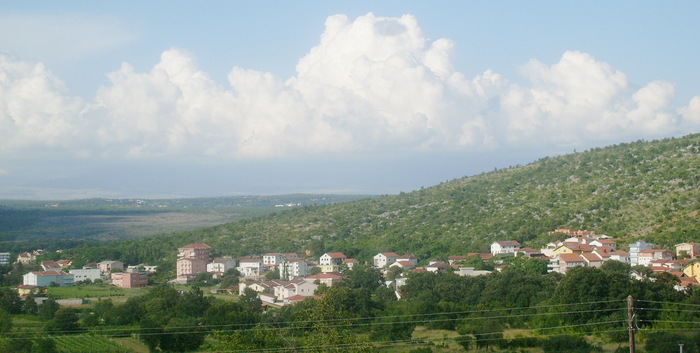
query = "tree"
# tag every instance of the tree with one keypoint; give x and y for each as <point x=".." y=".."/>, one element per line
<point x="65" y="321"/>
<point x="364" y="277"/>
<point x="47" y="309"/>
<point x="5" y="322"/>
<point x="663" y="341"/>
<point x="10" y="301"/>
<point x="482" y="332"/>
<point x="181" y="335"/>
<point x="29" y="305"/>
<point x="251" y="301"/>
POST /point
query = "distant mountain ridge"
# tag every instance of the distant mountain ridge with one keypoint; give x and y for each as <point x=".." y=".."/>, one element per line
<point x="643" y="188"/>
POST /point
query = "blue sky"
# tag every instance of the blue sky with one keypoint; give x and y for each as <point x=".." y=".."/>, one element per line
<point x="177" y="98"/>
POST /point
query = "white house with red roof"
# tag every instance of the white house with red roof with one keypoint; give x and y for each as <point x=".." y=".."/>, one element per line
<point x="331" y="261"/>
<point x="645" y="257"/>
<point x="329" y="279"/>
<point x="47" y="278"/>
<point x="563" y="262"/>
<point x="504" y="247"/>
<point x="221" y="265"/>
<point x="404" y="265"/>
<point x="384" y="259"/>
<point x="620" y="255"/>
<point x="250" y="267"/>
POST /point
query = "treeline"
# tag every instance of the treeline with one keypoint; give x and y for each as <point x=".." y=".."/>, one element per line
<point x="516" y="308"/>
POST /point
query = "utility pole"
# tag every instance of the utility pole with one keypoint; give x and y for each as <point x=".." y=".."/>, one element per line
<point x="630" y="322"/>
<point x="680" y="347"/>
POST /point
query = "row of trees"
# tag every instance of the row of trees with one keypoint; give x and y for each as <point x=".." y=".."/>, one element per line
<point x="362" y="309"/>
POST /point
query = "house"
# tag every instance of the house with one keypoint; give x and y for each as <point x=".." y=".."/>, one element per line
<point x="573" y="248"/>
<point x="129" y="280"/>
<point x="293" y="268"/>
<point x="465" y="271"/>
<point x="484" y="256"/>
<point x="250" y="267"/>
<point x="350" y="263"/>
<point x="619" y="255"/>
<point x="192" y="260"/>
<point x="25" y="258"/>
<point x="109" y="266"/>
<point x="527" y="252"/>
<point x="603" y="242"/>
<point x="550" y="247"/>
<point x="187" y="269"/>
<point x="80" y="275"/>
<point x="437" y="266"/>
<point x="47" y="278"/>
<point x="504" y="247"/>
<point x="271" y="260"/>
<point x="592" y="260"/>
<point x="409" y="258"/>
<point x="4" y="258"/>
<point x="403" y="264"/>
<point x="384" y="259"/>
<point x="456" y="259"/>
<point x="142" y="268"/>
<point x="645" y="257"/>
<point x="268" y="300"/>
<point x="23" y="290"/>
<point x="563" y="262"/>
<point x="329" y="279"/>
<point x="692" y="269"/>
<point x="50" y="266"/>
<point x="221" y="264"/>
<point x="331" y="262"/>
<point x="691" y="250"/>
<point x="579" y="240"/>
<point x="198" y="251"/>
<point x="296" y="287"/>
<point x="636" y="248"/>
<point x="332" y="258"/>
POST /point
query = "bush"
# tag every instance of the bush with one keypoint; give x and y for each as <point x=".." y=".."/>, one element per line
<point x="568" y="344"/>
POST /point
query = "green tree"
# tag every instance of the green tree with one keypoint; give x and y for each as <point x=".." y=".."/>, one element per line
<point x="483" y="333"/>
<point x="65" y="321"/>
<point x="47" y="309"/>
<point x="29" y="305"/>
<point x="5" y="322"/>
<point x="10" y="301"/>
<point x="182" y="335"/>
<point x="664" y="341"/>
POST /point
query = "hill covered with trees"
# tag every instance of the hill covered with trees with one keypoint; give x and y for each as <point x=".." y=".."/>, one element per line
<point x="648" y="189"/>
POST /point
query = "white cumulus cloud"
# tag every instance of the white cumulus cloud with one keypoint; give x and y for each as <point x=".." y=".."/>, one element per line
<point x="371" y="84"/>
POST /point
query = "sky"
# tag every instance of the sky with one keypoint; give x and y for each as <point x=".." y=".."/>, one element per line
<point x="214" y="98"/>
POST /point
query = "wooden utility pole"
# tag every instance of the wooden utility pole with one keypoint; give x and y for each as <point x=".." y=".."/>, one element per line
<point x="630" y="321"/>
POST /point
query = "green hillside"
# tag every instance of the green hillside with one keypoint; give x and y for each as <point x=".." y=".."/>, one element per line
<point x="639" y="189"/>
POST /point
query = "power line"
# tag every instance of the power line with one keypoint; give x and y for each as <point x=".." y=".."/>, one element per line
<point x="349" y="323"/>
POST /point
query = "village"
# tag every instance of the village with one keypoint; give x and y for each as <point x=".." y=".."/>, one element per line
<point x="280" y="279"/>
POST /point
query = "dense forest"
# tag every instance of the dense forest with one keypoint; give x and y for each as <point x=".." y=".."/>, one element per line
<point x="648" y="190"/>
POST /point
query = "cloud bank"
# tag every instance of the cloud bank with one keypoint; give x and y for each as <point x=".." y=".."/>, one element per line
<point x="371" y="84"/>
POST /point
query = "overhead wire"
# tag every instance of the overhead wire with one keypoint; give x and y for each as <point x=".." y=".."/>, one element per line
<point x="349" y="323"/>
